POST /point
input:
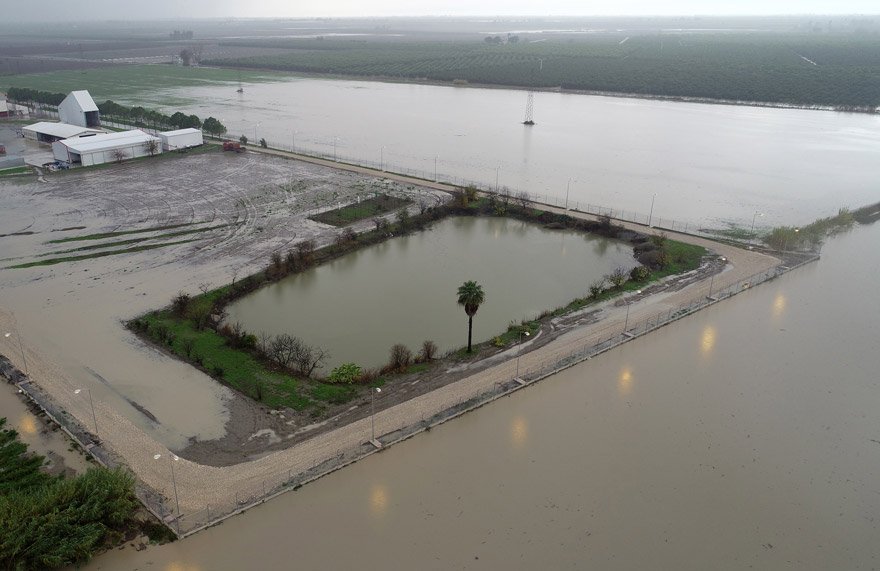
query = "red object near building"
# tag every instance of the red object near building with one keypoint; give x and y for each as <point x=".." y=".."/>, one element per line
<point x="232" y="146"/>
<point x="2" y="149"/>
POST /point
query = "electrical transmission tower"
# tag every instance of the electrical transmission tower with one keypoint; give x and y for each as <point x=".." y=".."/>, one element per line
<point x="530" y="101"/>
<point x="530" y="109"/>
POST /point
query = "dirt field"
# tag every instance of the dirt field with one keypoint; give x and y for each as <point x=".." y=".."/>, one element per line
<point x="235" y="210"/>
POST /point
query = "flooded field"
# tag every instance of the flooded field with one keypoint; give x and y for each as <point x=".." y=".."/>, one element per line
<point x="235" y="211"/>
<point x="742" y="437"/>
<point x="41" y="437"/>
<point x="404" y="290"/>
<point x="707" y="164"/>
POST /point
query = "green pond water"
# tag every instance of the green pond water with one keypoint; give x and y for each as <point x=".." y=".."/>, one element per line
<point x="404" y="290"/>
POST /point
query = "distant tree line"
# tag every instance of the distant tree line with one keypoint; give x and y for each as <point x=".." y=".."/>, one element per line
<point x="842" y="72"/>
<point x="136" y="116"/>
<point x="141" y="117"/>
<point x="25" y="95"/>
<point x="181" y="35"/>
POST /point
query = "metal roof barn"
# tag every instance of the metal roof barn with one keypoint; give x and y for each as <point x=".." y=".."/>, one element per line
<point x="106" y="148"/>
<point x="78" y="108"/>
<point x="48" y="132"/>
<point x="181" y="139"/>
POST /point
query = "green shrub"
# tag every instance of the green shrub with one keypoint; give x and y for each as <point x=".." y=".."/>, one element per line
<point x="346" y="373"/>
<point x="640" y="273"/>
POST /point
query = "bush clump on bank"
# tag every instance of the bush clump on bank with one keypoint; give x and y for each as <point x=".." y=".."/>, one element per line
<point x="49" y="522"/>
<point x="282" y="371"/>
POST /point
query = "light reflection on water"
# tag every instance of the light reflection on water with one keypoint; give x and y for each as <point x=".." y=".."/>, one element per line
<point x="378" y="500"/>
<point x="27" y="424"/>
<point x="625" y="382"/>
<point x="779" y="303"/>
<point x="707" y="340"/>
<point x="519" y="432"/>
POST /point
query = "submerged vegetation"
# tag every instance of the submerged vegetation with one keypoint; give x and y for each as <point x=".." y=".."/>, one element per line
<point x="814" y="233"/>
<point x="285" y="371"/>
<point x="48" y="522"/>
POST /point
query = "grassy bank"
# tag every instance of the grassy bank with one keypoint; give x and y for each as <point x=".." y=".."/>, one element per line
<point x="368" y="208"/>
<point x="191" y="329"/>
<point x="63" y="259"/>
<point x="16" y="170"/>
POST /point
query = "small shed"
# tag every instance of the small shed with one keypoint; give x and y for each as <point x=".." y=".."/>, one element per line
<point x="49" y="132"/>
<point x="78" y="108"/>
<point x="4" y="108"/>
<point x="181" y="139"/>
<point x="106" y="148"/>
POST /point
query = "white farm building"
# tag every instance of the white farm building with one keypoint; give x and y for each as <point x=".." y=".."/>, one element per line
<point x="106" y="148"/>
<point x="78" y="108"/>
<point x="49" y="132"/>
<point x="181" y="139"/>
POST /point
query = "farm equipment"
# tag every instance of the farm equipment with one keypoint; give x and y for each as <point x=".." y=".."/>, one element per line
<point x="232" y="146"/>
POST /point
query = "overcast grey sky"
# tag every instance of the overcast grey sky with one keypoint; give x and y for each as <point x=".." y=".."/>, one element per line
<point x="161" y="9"/>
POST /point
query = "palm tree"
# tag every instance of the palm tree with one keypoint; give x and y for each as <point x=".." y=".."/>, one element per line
<point x="470" y="295"/>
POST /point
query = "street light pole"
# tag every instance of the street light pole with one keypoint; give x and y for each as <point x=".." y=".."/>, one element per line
<point x="255" y="132"/>
<point x="92" y="404"/>
<point x="651" y="213"/>
<point x="172" y="459"/>
<point x="752" y="231"/>
<point x="20" y="348"/>
<point x="785" y="242"/>
<point x="567" y="188"/>
<point x="373" y="412"/>
<point x="519" y="350"/>
<point x="628" y="303"/>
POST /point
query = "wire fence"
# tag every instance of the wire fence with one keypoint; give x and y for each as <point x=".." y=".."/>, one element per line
<point x="330" y="152"/>
<point x="396" y="428"/>
<point x="648" y="220"/>
<point x="423" y="412"/>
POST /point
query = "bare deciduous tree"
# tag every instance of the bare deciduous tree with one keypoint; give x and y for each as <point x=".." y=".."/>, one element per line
<point x="119" y="155"/>
<point x="152" y="147"/>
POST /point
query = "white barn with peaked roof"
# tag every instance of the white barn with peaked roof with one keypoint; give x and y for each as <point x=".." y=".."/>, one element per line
<point x="99" y="149"/>
<point x="78" y="108"/>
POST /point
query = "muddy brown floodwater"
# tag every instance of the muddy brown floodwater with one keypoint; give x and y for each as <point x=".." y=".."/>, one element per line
<point x="233" y="211"/>
<point x="744" y="436"/>
<point x="707" y="164"/>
